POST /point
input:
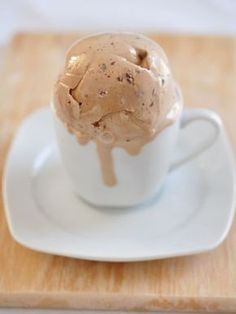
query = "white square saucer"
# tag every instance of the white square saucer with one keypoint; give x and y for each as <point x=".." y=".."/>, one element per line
<point x="192" y="214"/>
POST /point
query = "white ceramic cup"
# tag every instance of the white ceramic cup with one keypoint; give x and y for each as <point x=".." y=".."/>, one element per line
<point x="139" y="177"/>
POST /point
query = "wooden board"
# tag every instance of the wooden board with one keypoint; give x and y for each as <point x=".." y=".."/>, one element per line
<point x="206" y="70"/>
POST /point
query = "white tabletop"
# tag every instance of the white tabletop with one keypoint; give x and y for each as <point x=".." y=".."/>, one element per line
<point x="198" y="16"/>
<point x="191" y="16"/>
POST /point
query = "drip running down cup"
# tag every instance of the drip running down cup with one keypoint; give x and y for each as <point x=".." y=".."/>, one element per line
<point x="118" y="112"/>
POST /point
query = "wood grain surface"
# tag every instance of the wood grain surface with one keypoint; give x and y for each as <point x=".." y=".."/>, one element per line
<point x="206" y="70"/>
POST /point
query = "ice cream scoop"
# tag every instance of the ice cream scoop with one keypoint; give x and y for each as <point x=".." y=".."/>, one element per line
<point x="117" y="90"/>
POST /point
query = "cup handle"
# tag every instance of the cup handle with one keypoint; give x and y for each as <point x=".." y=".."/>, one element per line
<point x="192" y="115"/>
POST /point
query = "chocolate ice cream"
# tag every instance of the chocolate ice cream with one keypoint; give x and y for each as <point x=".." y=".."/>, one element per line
<point x="117" y="90"/>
